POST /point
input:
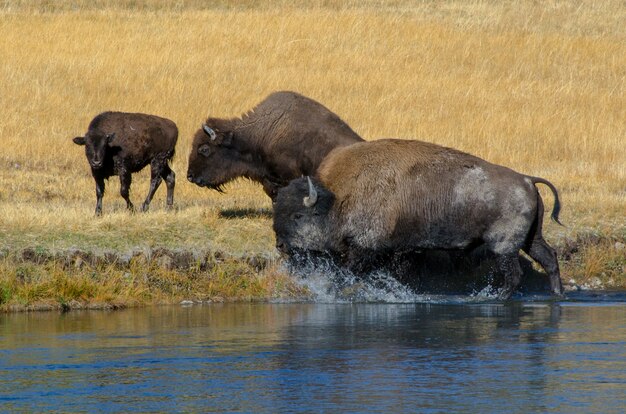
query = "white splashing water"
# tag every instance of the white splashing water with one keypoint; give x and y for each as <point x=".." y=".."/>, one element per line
<point x="328" y="283"/>
<point x="487" y="293"/>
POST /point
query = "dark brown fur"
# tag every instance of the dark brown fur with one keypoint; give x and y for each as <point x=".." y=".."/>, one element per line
<point x="285" y="136"/>
<point x="400" y="196"/>
<point x="120" y="144"/>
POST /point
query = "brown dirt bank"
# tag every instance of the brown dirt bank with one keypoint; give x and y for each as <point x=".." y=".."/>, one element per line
<point x="38" y="279"/>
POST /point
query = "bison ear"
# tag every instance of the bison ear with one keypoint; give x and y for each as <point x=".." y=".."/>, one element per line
<point x="79" y="140"/>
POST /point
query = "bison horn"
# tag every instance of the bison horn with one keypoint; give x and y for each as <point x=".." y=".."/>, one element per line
<point x="209" y="132"/>
<point x="311" y="199"/>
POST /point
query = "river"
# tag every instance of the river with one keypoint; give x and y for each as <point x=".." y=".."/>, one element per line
<point x="440" y="356"/>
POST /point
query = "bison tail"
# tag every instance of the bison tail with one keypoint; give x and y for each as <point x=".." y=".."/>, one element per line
<point x="557" y="204"/>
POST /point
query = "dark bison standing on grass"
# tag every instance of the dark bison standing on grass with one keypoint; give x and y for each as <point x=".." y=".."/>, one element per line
<point x="120" y="144"/>
<point x="389" y="197"/>
<point x="285" y="136"/>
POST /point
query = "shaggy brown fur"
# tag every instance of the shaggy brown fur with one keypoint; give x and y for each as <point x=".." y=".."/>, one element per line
<point x="120" y="144"/>
<point x="285" y="136"/>
<point x="399" y="195"/>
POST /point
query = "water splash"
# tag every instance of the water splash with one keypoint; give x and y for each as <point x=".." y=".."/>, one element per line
<point x="487" y="293"/>
<point x="328" y="283"/>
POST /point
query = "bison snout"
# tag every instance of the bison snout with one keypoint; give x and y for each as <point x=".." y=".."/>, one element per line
<point x="96" y="164"/>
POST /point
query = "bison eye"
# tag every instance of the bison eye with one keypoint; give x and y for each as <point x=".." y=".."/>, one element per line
<point x="204" y="150"/>
<point x="296" y="216"/>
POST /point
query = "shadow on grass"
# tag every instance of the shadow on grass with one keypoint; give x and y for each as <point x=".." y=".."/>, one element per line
<point x="239" y="213"/>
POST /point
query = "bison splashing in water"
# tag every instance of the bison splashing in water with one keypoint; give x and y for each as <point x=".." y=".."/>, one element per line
<point x="379" y="199"/>
<point x="120" y="144"/>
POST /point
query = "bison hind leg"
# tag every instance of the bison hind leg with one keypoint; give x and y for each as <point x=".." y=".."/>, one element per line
<point x="540" y="251"/>
<point x="510" y="267"/>
<point x="158" y="169"/>
<point x="545" y="255"/>
<point x="170" y="181"/>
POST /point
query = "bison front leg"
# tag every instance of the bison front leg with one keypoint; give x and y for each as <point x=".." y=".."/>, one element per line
<point x="125" y="181"/>
<point x="359" y="260"/>
<point x="99" y="195"/>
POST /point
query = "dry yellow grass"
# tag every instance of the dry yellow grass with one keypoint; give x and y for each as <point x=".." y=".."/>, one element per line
<point x="539" y="87"/>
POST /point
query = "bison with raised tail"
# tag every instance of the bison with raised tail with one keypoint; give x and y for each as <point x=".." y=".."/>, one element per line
<point x="119" y="143"/>
<point x="396" y="197"/>
<point x="285" y="136"/>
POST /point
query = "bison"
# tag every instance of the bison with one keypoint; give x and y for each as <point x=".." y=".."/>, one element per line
<point x="398" y="196"/>
<point x="285" y="136"/>
<point x="118" y="143"/>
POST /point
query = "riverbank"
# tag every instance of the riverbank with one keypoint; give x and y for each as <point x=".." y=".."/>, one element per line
<point x="34" y="279"/>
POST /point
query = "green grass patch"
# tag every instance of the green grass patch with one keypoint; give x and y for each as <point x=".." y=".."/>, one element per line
<point x="64" y="284"/>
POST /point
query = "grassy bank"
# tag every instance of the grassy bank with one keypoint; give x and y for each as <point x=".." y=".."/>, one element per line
<point x="40" y="279"/>
<point x="75" y="280"/>
<point x="539" y="87"/>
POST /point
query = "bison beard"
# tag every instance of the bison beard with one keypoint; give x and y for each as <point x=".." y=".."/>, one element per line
<point x="387" y="201"/>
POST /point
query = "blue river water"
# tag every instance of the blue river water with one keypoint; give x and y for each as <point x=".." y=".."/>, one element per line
<point x="429" y="357"/>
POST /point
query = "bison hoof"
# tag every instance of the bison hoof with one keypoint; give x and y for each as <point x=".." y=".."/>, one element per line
<point x="145" y="207"/>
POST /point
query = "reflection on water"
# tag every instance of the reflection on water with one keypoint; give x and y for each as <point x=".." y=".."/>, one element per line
<point x="519" y="357"/>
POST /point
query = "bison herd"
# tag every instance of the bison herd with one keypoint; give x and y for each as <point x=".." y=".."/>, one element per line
<point x="363" y="204"/>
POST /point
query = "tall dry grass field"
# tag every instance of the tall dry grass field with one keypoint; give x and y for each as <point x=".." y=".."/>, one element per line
<point x="537" y="86"/>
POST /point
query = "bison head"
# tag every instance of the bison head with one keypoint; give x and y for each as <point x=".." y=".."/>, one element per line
<point x="301" y="212"/>
<point x="215" y="158"/>
<point x="96" y="147"/>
